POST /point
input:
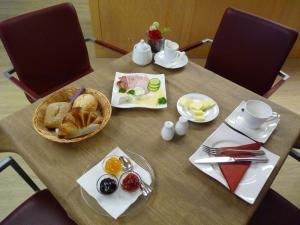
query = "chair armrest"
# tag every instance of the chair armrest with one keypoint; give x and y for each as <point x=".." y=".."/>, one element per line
<point x="107" y="45"/>
<point x="295" y="154"/>
<point x="196" y="44"/>
<point x="27" y="90"/>
<point x="284" y="77"/>
<point x="9" y="161"/>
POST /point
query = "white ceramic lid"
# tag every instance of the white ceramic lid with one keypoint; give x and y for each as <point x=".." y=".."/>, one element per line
<point x="142" y="46"/>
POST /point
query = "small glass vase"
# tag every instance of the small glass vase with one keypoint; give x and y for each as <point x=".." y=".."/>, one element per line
<point x="156" y="44"/>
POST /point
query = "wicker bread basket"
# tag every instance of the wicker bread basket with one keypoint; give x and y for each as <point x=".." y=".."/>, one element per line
<point x="65" y="95"/>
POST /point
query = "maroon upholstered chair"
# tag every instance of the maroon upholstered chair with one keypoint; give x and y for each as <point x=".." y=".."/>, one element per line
<point x="275" y="210"/>
<point x="249" y="50"/>
<point x="40" y="209"/>
<point x="47" y="49"/>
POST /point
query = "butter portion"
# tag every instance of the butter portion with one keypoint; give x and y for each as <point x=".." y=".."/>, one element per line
<point x="197" y="107"/>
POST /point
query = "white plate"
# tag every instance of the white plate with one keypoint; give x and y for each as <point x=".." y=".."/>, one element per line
<point x="115" y="92"/>
<point x="255" y="177"/>
<point x="180" y="61"/>
<point x="209" y="114"/>
<point x="261" y="134"/>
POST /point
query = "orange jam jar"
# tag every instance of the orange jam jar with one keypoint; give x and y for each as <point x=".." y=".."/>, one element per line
<point x="112" y="165"/>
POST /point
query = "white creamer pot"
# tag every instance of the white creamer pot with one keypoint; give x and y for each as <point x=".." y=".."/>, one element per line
<point x="142" y="54"/>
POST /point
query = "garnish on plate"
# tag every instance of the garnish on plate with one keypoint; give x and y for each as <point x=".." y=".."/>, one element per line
<point x="162" y="101"/>
<point x="122" y="90"/>
<point x="131" y="92"/>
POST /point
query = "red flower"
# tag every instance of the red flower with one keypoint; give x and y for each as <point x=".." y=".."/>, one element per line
<point x="154" y="34"/>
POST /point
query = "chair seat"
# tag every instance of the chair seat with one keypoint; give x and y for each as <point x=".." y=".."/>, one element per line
<point x="276" y="210"/>
<point x="40" y="209"/>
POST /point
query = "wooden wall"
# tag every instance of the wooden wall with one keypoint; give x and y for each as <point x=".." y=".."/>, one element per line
<point x="124" y="22"/>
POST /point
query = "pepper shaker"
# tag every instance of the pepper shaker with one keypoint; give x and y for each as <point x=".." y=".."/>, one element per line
<point x="181" y="126"/>
<point x="167" y="132"/>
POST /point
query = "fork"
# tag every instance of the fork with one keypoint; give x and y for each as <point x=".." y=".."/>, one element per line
<point x="219" y="151"/>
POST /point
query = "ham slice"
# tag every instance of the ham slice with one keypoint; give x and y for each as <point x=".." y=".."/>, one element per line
<point x="122" y="83"/>
<point x="133" y="81"/>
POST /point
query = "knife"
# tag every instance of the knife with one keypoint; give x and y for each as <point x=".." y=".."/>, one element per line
<point x="227" y="159"/>
<point x="236" y="130"/>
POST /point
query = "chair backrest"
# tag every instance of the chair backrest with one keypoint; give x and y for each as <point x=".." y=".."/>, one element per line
<point x="250" y="50"/>
<point x="46" y="47"/>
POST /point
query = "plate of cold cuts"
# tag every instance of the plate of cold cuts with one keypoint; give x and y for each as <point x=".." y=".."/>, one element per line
<point x="139" y="90"/>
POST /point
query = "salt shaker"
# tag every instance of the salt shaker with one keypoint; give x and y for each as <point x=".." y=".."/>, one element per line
<point x="167" y="132"/>
<point x="181" y="126"/>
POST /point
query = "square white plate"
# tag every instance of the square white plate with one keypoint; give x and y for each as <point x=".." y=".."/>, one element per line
<point x="261" y="134"/>
<point x="162" y="90"/>
<point x="255" y="177"/>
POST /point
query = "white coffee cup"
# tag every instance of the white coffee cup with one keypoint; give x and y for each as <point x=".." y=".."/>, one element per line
<point x="170" y="50"/>
<point x="256" y="112"/>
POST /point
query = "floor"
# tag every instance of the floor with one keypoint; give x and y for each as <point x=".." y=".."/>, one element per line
<point x="13" y="190"/>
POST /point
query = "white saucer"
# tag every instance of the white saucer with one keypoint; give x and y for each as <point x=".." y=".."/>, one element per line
<point x="209" y="114"/>
<point x="260" y="134"/>
<point x="180" y="61"/>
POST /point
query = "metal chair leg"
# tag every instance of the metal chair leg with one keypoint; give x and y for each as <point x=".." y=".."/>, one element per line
<point x="295" y="153"/>
<point x="9" y="161"/>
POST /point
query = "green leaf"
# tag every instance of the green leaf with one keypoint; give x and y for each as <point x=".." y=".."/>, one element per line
<point x="162" y="101"/>
<point x="165" y="30"/>
<point x="122" y="90"/>
<point x="131" y="92"/>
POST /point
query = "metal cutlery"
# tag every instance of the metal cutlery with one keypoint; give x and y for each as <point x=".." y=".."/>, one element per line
<point x="227" y="159"/>
<point x="238" y="131"/>
<point x="219" y="151"/>
<point x="128" y="166"/>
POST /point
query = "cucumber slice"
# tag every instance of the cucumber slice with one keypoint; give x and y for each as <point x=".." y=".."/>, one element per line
<point x="154" y="84"/>
<point x="153" y="89"/>
<point x="154" y="81"/>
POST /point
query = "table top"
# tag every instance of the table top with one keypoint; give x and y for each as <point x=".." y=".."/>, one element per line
<point x="183" y="194"/>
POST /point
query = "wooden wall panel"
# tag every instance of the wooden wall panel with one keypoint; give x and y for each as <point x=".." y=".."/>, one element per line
<point x="124" y="22"/>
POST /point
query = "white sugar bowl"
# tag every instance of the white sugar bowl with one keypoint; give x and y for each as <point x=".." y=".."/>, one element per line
<point x="142" y="54"/>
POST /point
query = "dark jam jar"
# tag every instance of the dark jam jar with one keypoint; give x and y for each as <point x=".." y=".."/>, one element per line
<point x="130" y="181"/>
<point x="107" y="184"/>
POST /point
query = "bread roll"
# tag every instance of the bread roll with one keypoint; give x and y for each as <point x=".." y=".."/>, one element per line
<point x="77" y="119"/>
<point x="86" y="101"/>
<point x="84" y="131"/>
<point x="55" y="113"/>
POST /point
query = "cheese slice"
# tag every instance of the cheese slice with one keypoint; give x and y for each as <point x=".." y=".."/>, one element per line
<point x="197" y="112"/>
<point x="196" y="105"/>
<point x="207" y="104"/>
<point x="199" y="117"/>
<point x="185" y="102"/>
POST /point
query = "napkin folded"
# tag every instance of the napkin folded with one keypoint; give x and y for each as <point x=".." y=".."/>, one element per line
<point x="234" y="172"/>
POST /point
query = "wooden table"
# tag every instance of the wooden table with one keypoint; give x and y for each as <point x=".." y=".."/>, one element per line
<point x="183" y="194"/>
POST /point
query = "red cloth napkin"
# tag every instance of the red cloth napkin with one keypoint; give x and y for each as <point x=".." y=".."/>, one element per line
<point x="234" y="172"/>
